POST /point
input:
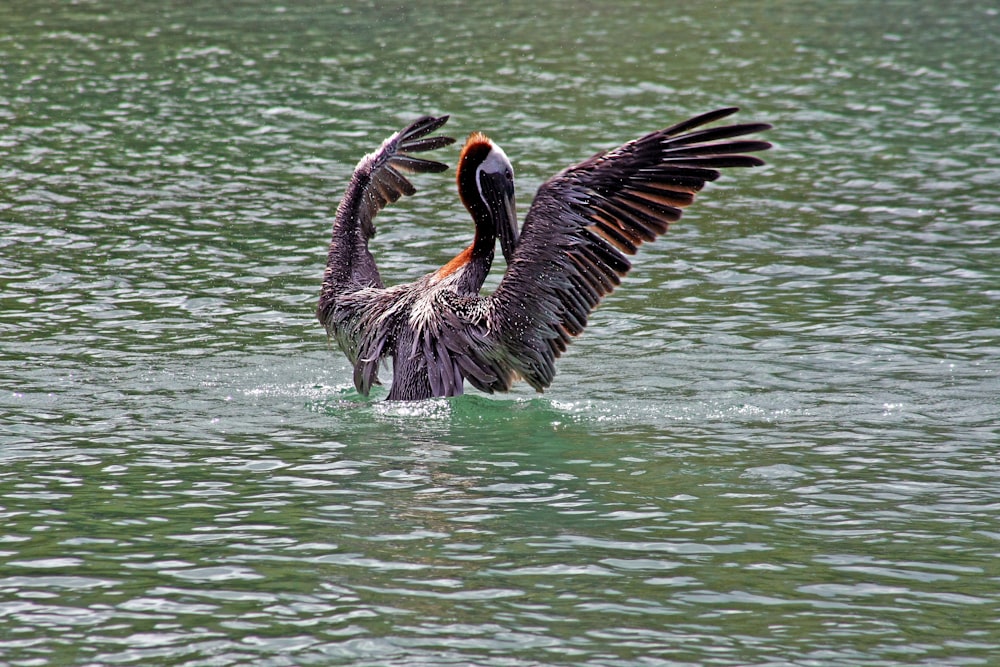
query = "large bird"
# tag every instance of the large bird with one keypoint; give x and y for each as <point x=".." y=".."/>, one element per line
<point x="439" y="331"/>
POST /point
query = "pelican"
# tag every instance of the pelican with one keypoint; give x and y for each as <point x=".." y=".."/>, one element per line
<point x="439" y="331"/>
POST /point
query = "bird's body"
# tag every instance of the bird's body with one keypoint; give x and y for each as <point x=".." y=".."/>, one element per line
<point x="438" y="331"/>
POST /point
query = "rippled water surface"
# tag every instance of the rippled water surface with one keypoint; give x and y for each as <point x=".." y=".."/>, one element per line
<point x="775" y="445"/>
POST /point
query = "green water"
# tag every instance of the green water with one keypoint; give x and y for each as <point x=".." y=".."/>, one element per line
<point x="776" y="444"/>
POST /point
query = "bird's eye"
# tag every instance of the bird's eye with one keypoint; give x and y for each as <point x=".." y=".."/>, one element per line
<point x="509" y="174"/>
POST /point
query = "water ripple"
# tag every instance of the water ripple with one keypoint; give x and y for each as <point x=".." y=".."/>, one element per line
<point x="773" y="445"/>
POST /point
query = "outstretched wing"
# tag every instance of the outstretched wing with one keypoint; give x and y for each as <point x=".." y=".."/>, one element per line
<point x="353" y="306"/>
<point x="377" y="181"/>
<point x="582" y="224"/>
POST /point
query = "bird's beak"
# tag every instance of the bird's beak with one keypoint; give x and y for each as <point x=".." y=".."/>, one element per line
<point x="507" y="227"/>
<point x="503" y="211"/>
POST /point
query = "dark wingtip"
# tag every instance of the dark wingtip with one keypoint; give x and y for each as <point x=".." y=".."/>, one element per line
<point x="416" y="165"/>
<point x="427" y="143"/>
<point x="701" y="119"/>
<point x="433" y="167"/>
<point x="720" y="162"/>
<point x="424" y="126"/>
<point x="414" y="139"/>
<point x="754" y="161"/>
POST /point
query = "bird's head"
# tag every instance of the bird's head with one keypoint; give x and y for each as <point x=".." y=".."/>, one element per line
<point x="486" y="187"/>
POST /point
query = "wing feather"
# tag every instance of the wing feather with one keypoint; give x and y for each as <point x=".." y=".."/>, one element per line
<point x="584" y="222"/>
<point x="376" y="182"/>
<point x="354" y="306"/>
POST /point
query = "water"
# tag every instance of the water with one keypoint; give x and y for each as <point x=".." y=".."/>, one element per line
<point x="776" y="444"/>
